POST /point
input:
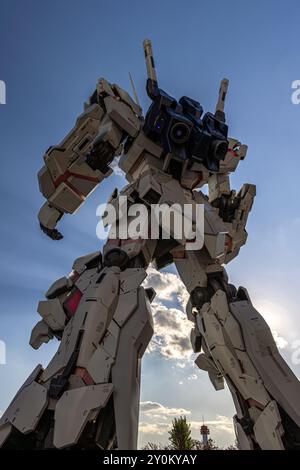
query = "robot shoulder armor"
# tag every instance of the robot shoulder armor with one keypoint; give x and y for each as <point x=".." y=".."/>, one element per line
<point x="105" y="89"/>
<point x="126" y="98"/>
<point x="86" y="262"/>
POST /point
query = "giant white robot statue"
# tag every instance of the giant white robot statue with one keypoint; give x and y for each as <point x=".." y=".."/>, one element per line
<point x="88" y="395"/>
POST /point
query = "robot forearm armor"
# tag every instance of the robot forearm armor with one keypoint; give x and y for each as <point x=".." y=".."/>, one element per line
<point x="75" y="167"/>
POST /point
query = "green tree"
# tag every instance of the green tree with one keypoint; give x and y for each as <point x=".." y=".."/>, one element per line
<point x="180" y="434"/>
<point x="211" y="445"/>
<point x="154" y="446"/>
<point x="233" y="446"/>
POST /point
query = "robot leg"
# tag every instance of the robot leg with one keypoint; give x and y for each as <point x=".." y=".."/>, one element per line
<point x="238" y="346"/>
<point x="88" y="395"/>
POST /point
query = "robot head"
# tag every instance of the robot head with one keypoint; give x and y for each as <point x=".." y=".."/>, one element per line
<point x="179" y="126"/>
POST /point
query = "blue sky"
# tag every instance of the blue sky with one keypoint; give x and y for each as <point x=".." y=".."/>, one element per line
<point x="52" y="53"/>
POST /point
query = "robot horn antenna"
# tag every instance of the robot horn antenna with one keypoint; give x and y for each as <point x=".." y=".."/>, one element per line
<point x="219" y="113"/>
<point x="152" y="86"/>
<point x="134" y="91"/>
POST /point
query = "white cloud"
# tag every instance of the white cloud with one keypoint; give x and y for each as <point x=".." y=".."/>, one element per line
<point x="171" y="333"/>
<point x="220" y="423"/>
<point x="280" y="341"/>
<point x="193" y="377"/>
<point x="181" y="365"/>
<point x="115" y="167"/>
<point x="156" y="429"/>
<point x="156" y="419"/>
<point x="168" y="287"/>
<point x="150" y="407"/>
<point x="171" y="326"/>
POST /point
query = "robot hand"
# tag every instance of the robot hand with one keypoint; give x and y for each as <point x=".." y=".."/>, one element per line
<point x="101" y="155"/>
<point x="236" y="207"/>
<point x="227" y="205"/>
<point x="236" y="211"/>
<point x="48" y="218"/>
<point x="53" y="233"/>
<point x="40" y="334"/>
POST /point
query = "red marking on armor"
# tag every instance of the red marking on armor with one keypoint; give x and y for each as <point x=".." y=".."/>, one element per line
<point x="118" y="242"/>
<point x="178" y="252"/>
<point x="199" y="179"/>
<point x="87" y="379"/>
<point x="235" y="154"/>
<point x="113" y="241"/>
<point x="71" y="303"/>
<point x="132" y="240"/>
<point x="83" y="373"/>
<point x="256" y="404"/>
<point x="228" y="243"/>
<point x="67" y="174"/>
<point x="67" y="183"/>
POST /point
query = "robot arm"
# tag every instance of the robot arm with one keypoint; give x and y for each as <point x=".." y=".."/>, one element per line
<point x="233" y="208"/>
<point x="75" y="167"/>
<point x="218" y="183"/>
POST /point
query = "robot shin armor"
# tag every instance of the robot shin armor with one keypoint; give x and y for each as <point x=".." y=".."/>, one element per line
<point x="239" y="347"/>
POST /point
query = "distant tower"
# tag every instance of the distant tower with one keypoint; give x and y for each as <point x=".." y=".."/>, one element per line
<point x="204" y="431"/>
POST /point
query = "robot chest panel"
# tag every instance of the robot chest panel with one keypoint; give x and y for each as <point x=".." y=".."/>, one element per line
<point x="141" y="151"/>
<point x="144" y="154"/>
